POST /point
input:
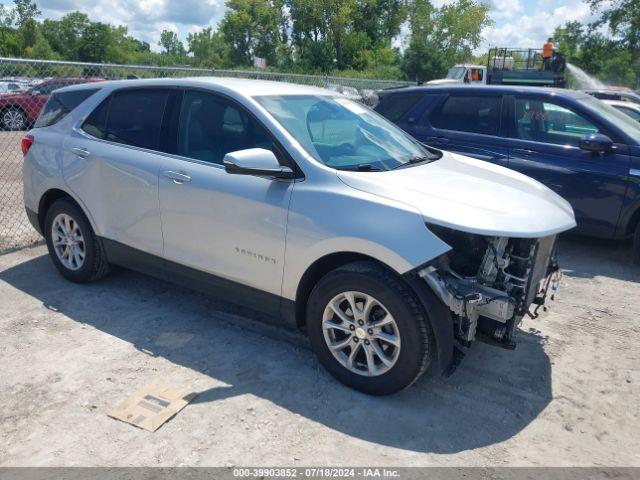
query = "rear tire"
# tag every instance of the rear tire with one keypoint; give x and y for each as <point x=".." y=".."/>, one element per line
<point x="383" y="344"/>
<point x="74" y="248"/>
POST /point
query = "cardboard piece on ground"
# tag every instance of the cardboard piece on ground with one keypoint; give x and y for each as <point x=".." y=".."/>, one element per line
<point x="152" y="405"/>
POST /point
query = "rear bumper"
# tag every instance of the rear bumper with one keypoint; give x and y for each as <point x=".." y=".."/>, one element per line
<point x="33" y="220"/>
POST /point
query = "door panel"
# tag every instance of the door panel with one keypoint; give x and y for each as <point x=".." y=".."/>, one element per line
<point x="545" y="147"/>
<point x="231" y="226"/>
<point x="118" y="182"/>
<point x="119" y="187"/>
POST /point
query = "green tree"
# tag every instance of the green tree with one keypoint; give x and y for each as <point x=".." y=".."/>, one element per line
<point x="569" y="38"/>
<point x="442" y="36"/>
<point x="41" y="49"/>
<point x="253" y="28"/>
<point x="208" y="48"/>
<point x="25" y="10"/>
<point x="607" y="58"/>
<point x="65" y="35"/>
<point x="9" y="41"/>
<point x="171" y="45"/>
<point x="380" y="20"/>
<point x="310" y="36"/>
<point x="333" y="33"/>
<point x="623" y="19"/>
<point x="94" y="42"/>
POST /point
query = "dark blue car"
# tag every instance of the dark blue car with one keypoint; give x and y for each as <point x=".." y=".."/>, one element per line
<point x="585" y="150"/>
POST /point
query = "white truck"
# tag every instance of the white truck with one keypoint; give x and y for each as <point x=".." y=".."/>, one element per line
<point x="509" y="67"/>
<point x="463" y="73"/>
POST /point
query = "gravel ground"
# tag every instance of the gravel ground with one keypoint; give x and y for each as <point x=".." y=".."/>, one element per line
<point x="567" y="396"/>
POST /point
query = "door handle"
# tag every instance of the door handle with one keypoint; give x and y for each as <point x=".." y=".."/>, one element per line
<point x="523" y="151"/>
<point x="81" y="152"/>
<point x="177" y="177"/>
<point x="437" y="140"/>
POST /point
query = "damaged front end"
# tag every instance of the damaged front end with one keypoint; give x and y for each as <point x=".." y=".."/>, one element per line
<point x="489" y="283"/>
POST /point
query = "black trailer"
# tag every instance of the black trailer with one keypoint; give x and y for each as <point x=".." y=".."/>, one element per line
<point x="509" y="66"/>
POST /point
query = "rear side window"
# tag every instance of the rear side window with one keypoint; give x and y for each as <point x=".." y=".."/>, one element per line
<point x="135" y="117"/>
<point x="394" y="106"/>
<point x="468" y="113"/>
<point x="96" y="123"/>
<point x="60" y="104"/>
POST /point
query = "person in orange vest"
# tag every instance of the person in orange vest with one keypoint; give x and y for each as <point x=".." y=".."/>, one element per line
<point x="547" y="53"/>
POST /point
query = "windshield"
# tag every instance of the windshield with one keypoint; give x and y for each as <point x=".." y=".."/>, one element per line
<point x="343" y="134"/>
<point x="628" y="125"/>
<point x="456" y="73"/>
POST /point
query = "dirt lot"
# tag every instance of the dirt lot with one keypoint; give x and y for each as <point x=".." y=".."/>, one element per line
<point x="568" y="395"/>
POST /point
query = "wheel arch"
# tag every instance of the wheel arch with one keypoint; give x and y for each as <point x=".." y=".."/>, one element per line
<point x="319" y="269"/>
<point x="48" y="198"/>
<point x="632" y="223"/>
<point x="438" y="314"/>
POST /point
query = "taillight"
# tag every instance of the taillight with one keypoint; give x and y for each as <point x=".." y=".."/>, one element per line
<point x="27" y="141"/>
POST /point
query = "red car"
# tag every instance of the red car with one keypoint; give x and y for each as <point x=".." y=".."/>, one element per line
<point x="18" y="111"/>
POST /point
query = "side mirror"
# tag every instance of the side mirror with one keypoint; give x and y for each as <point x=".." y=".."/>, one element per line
<point x="255" y="161"/>
<point x="596" y="143"/>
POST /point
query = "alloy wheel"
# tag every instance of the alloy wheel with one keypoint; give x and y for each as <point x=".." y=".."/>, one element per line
<point x="68" y="242"/>
<point x="13" y="119"/>
<point x="361" y="333"/>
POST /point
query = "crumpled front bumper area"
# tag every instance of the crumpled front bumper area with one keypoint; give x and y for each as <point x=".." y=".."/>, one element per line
<point x="490" y="283"/>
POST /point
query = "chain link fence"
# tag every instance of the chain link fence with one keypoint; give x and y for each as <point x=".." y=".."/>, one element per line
<point x="25" y="86"/>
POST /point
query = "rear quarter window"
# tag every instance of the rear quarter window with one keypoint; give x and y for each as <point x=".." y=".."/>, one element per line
<point x="60" y="105"/>
<point x="96" y="123"/>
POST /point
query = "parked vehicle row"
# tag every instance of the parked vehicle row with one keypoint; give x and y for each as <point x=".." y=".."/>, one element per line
<point x="297" y="201"/>
<point x="10" y="87"/>
<point x="585" y="150"/>
<point x="617" y="94"/>
<point x="19" y="108"/>
<point x="628" y="108"/>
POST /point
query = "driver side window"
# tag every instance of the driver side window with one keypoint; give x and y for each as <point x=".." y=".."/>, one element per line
<point x="212" y="126"/>
<point x="547" y="122"/>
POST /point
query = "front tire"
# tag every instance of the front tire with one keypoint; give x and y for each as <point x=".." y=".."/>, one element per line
<point x="73" y="247"/>
<point x="368" y="330"/>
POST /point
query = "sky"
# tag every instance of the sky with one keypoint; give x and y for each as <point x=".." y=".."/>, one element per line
<point x="518" y="23"/>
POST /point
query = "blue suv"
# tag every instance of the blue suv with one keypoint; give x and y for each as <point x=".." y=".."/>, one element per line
<point x="585" y="150"/>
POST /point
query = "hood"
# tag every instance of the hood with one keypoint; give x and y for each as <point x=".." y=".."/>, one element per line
<point x="444" y="81"/>
<point x="472" y="196"/>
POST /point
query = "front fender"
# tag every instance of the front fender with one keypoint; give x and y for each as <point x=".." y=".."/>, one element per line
<point x="326" y="221"/>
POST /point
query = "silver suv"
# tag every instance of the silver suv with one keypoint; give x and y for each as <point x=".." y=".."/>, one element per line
<point x="298" y="202"/>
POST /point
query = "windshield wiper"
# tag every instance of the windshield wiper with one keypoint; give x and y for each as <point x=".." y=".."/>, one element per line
<point x="364" y="167"/>
<point x="413" y="161"/>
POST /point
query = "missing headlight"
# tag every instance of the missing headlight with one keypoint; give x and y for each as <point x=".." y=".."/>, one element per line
<point x="489" y="282"/>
